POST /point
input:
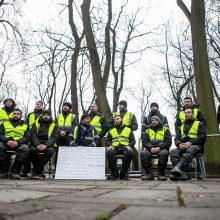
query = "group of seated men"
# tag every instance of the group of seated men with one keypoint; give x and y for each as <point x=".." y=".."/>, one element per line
<point x="38" y="137"/>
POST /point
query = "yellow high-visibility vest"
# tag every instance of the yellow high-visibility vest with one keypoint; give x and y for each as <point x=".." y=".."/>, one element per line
<point x="96" y="123"/>
<point x="126" y="118"/>
<point x="193" y="132"/>
<point x="158" y="135"/>
<point x="15" y="132"/>
<point x="4" y="116"/>
<point x="122" y="138"/>
<point x="61" y="121"/>
<point x="182" y="115"/>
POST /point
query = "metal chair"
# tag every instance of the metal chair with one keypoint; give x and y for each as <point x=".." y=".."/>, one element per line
<point x="197" y="167"/>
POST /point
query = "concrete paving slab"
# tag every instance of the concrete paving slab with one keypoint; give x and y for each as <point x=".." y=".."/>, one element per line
<point x="14" y="195"/>
<point x="141" y="194"/>
<point x="205" y="200"/>
<point x="167" y="213"/>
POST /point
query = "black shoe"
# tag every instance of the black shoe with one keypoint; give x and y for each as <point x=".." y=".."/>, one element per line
<point x="161" y="177"/>
<point x="148" y="177"/>
<point x="173" y="177"/>
<point x="113" y="177"/>
<point x="123" y="176"/>
<point x="183" y="177"/>
<point x="3" y="175"/>
<point x="14" y="176"/>
<point x="176" y="171"/>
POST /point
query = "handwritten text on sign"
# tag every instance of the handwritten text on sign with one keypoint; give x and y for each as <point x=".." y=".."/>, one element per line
<point x="80" y="163"/>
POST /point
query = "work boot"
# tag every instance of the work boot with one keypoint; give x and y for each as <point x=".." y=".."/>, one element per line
<point x="161" y="177"/>
<point x="176" y="171"/>
<point x="113" y="176"/>
<point x="14" y="176"/>
<point x="123" y="176"/>
<point x="4" y="175"/>
<point x="173" y="177"/>
<point x="183" y="176"/>
<point x="148" y="174"/>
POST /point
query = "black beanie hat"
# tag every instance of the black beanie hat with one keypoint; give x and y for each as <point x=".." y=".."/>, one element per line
<point x="68" y="104"/>
<point x="154" y="104"/>
<point x="84" y="116"/>
<point x="46" y="112"/>
<point x="123" y="102"/>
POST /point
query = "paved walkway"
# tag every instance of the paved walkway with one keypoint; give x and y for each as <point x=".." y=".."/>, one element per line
<point x="132" y="199"/>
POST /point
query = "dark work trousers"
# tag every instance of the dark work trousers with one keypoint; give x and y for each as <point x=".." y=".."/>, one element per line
<point x="110" y="154"/>
<point x="184" y="155"/>
<point x="40" y="160"/>
<point x="146" y="157"/>
<point x="22" y="152"/>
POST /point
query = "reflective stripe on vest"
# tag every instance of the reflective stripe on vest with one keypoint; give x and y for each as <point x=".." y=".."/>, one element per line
<point x="50" y="130"/>
<point x="4" y="116"/>
<point x="193" y="132"/>
<point x="96" y="123"/>
<point x="15" y="132"/>
<point x="122" y="138"/>
<point x="86" y="138"/>
<point x="158" y="135"/>
<point x="65" y="121"/>
<point x="126" y="118"/>
<point x="182" y="115"/>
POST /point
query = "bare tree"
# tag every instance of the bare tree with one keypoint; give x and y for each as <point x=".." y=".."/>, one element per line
<point x="203" y="79"/>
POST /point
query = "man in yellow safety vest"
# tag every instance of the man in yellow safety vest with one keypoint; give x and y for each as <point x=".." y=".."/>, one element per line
<point x="120" y="140"/>
<point x="98" y="121"/>
<point x="156" y="140"/>
<point x="14" y="136"/>
<point x="44" y="134"/>
<point x="6" y="112"/>
<point x="190" y="139"/>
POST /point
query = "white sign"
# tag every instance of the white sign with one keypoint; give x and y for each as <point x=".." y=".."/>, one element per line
<point x="80" y="163"/>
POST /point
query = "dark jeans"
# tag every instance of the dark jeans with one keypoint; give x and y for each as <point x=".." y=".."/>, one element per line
<point x="110" y="154"/>
<point x="22" y="152"/>
<point x="186" y="155"/>
<point x="40" y="160"/>
<point x="146" y="157"/>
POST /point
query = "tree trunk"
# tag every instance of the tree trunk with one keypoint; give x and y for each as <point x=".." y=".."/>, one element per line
<point x="100" y="89"/>
<point x="204" y="85"/>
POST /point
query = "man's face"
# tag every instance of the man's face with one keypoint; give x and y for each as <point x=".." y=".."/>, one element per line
<point x="46" y="117"/>
<point x="155" y="122"/>
<point x="154" y="109"/>
<point x="187" y="102"/>
<point x="39" y="105"/>
<point x="66" y="108"/>
<point x="8" y="103"/>
<point x="93" y="108"/>
<point x="16" y="115"/>
<point x="86" y="121"/>
<point x="188" y="114"/>
<point x="121" y="107"/>
<point x="118" y="120"/>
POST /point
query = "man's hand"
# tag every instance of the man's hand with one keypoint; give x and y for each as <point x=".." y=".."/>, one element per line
<point x="12" y="144"/>
<point x="155" y="150"/>
<point x="188" y="144"/>
<point x="62" y="133"/>
<point x="41" y="147"/>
